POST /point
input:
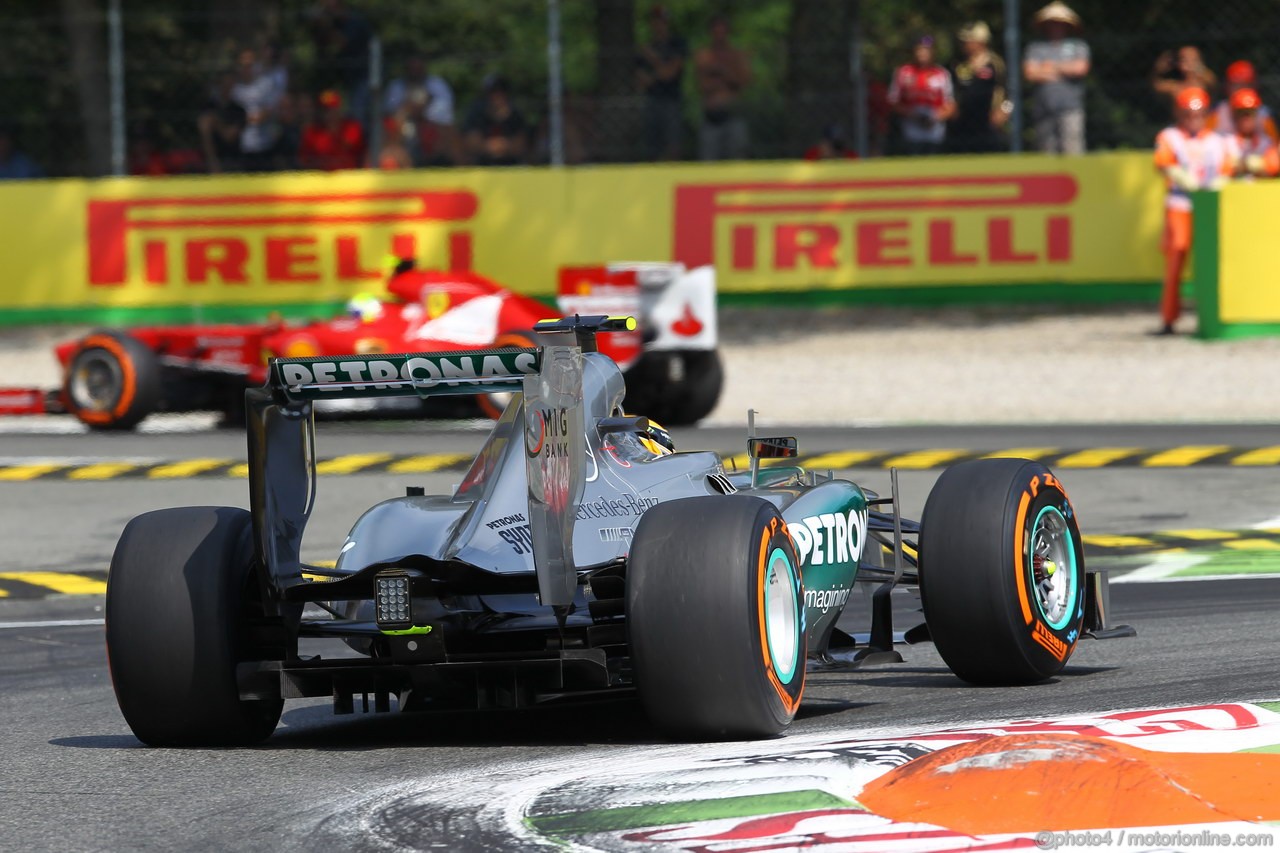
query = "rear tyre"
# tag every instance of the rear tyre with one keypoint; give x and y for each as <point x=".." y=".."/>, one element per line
<point x="676" y="388"/>
<point x="493" y="405"/>
<point x="112" y="381"/>
<point x="715" y="610"/>
<point x="1001" y="571"/>
<point x="177" y="596"/>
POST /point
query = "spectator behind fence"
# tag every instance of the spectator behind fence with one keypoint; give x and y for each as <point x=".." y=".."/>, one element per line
<point x="1191" y="157"/>
<point x="255" y="91"/>
<point x="147" y="156"/>
<point x="723" y="72"/>
<point x="1254" y="151"/>
<point x="334" y="140"/>
<point x="394" y="153"/>
<point x="922" y="96"/>
<point x="1240" y="75"/>
<point x="342" y="38"/>
<point x="495" y="132"/>
<point x="422" y="104"/>
<point x="14" y="164"/>
<point x="220" y="124"/>
<point x="275" y="64"/>
<point x="831" y="146"/>
<point x="879" y="117"/>
<point x="981" y="108"/>
<point x="659" y="72"/>
<point x="1176" y="70"/>
<point x="1057" y="66"/>
<point x="296" y="111"/>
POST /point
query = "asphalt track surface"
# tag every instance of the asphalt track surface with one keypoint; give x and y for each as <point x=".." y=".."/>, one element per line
<point x="72" y="776"/>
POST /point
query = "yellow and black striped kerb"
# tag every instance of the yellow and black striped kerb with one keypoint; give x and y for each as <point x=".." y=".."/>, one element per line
<point x="1184" y="456"/>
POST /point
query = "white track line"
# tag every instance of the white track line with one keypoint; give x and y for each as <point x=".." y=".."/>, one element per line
<point x="192" y="422"/>
<point x="54" y="623"/>
<point x="1240" y="577"/>
<point x="1163" y="567"/>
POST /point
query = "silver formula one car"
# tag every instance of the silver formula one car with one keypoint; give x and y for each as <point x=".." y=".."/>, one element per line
<point x="577" y="558"/>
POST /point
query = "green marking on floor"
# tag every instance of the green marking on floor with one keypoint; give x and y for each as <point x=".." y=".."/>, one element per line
<point x="1233" y="562"/>
<point x="667" y="814"/>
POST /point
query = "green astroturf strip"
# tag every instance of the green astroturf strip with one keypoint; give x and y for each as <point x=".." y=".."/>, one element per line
<point x="666" y="814"/>
<point x="1228" y="562"/>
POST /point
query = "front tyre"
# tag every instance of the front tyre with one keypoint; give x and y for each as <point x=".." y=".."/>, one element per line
<point x="178" y="595"/>
<point x="715" y="610"/>
<point x="1001" y="571"/>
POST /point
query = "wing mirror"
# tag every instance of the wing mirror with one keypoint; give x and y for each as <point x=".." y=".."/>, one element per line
<point x="781" y="447"/>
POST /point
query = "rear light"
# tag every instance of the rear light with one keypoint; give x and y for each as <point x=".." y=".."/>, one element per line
<point x="393" y="600"/>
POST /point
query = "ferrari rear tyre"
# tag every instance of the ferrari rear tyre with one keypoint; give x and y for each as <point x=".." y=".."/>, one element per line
<point x="1001" y="571"/>
<point x="112" y="381"/>
<point x="177" y="596"/>
<point x="715" y="611"/>
<point x="676" y="388"/>
<point x="493" y="405"/>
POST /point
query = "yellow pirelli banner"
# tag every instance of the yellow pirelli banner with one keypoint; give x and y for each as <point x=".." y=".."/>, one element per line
<point x="223" y="246"/>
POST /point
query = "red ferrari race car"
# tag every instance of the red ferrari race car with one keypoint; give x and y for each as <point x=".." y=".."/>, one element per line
<point x="113" y="379"/>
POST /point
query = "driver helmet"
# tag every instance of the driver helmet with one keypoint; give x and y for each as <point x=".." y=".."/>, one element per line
<point x="657" y="440"/>
<point x="364" y="307"/>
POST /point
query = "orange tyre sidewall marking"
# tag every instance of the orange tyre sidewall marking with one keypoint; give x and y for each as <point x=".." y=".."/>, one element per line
<point x="128" y="377"/>
<point x="513" y="339"/>
<point x="487" y="407"/>
<point x="1019" y="556"/>
<point x="789" y="702"/>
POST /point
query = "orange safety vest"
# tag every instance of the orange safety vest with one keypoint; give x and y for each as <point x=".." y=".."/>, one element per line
<point x="1259" y="145"/>
<point x="1207" y="156"/>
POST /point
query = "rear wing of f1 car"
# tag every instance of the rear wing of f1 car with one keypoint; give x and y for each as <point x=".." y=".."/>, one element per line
<point x="281" y="439"/>
<point x="298" y="380"/>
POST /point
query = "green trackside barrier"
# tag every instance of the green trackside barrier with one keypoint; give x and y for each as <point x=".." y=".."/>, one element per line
<point x="1236" y="261"/>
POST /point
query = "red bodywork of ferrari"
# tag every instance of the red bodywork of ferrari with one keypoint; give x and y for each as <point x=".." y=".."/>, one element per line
<point x="113" y="379"/>
<point x="427" y="310"/>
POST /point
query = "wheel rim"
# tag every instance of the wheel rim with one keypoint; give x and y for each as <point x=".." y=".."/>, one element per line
<point x="781" y="615"/>
<point x="1053" y="567"/>
<point x="96" y="381"/>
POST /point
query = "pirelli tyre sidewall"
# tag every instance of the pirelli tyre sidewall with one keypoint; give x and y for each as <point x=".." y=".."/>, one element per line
<point x="181" y="595"/>
<point x="112" y="381"/>
<point x="715" y="610"/>
<point x="777" y="595"/>
<point x="1002" y="571"/>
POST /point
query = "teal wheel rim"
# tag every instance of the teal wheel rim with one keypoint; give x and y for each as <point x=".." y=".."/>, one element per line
<point x="1053" y="567"/>
<point x="781" y="615"/>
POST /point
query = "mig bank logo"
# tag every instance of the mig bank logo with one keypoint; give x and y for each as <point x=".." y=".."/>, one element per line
<point x="280" y="239"/>
<point x="897" y="229"/>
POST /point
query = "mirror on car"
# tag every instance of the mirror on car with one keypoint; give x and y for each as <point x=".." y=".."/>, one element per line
<point x="779" y="447"/>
